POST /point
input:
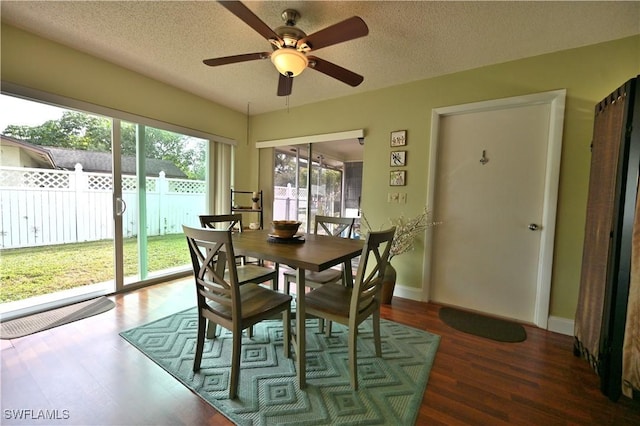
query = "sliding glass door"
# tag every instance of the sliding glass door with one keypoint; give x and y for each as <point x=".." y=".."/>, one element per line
<point x="290" y="185"/>
<point x="308" y="182"/>
<point x="163" y="187"/>
<point x="327" y="187"/>
<point x="77" y="187"/>
<point x="55" y="202"/>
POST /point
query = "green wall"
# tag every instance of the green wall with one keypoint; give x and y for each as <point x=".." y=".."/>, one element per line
<point x="37" y="63"/>
<point x="589" y="74"/>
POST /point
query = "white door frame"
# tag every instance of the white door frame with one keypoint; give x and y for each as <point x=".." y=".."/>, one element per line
<point x="556" y="100"/>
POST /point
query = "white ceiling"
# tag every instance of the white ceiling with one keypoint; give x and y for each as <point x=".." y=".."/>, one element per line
<point x="407" y="41"/>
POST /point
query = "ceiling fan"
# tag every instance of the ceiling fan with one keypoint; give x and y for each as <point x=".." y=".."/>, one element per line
<point x="291" y="46"/>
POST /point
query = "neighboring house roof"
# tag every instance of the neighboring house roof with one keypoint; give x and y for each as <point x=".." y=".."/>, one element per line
<point x="38" y="153"/>
<point x="101" y="162"/>
<point x="92" y="161"/>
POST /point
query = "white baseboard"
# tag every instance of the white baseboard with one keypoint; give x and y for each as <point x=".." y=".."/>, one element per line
<point x="560" y="325"/>
<point x="408" y="292"/>
<point x="555" y="324"/>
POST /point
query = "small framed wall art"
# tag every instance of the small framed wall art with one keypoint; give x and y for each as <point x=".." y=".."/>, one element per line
<point x="398" y="158"/>
<point x="399" y="138"/>
<point x="398" y="178"/>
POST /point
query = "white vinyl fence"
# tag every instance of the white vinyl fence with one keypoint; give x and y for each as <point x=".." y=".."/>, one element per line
<point x="44" y="207"/>
<point x="285" y="206"/>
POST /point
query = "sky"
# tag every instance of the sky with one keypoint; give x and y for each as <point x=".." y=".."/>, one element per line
<point x="18" y="111"/>
<point x="21" y="112"/>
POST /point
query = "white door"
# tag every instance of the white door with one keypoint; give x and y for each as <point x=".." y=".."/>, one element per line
<point x="492" y="181"/>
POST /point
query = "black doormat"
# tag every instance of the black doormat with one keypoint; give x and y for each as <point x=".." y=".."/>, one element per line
<point x="483" y="326"/>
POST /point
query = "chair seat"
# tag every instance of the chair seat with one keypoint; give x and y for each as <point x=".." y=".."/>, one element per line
<point x="251" y="273"/>
<point x="333" y="299"/>
<point x="322" y="277"/>
<point x="255" y="302"/>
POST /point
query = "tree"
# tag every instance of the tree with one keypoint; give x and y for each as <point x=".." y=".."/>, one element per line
<point x="73" y="130"/>
<point x="285" y="169"/>
<point x="285" y="173"/>
<point x="77" y="130"/>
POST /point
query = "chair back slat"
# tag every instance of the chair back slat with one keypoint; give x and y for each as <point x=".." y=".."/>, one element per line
<point x="222" y="221"/>
<point x="334" y="226"/>
<point x="211" y="253"/>
<point x="368" y="282"/>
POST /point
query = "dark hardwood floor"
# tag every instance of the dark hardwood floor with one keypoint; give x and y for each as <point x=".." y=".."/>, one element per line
<point x="86" y="374"/>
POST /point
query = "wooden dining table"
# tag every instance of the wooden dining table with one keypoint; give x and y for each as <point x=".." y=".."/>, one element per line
<point x="316" y="253"/>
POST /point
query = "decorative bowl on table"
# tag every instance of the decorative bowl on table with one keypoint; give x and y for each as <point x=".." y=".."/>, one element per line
<point x="285" y="228"/>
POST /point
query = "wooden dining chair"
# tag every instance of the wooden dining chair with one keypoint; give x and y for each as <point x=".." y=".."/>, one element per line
<point x="247" y="272"/>
<point x="352" y="305"/>
<point x="324" y="225"/>
<point x="222" y="300"/>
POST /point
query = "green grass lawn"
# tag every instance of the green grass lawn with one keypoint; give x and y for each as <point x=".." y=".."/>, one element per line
<point x="36" y="271"/>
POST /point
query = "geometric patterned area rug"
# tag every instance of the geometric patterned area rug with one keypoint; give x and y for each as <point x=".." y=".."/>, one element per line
<point x="390" y="388"/>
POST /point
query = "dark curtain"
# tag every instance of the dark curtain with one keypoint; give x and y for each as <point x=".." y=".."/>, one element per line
<point x="599" y="225"/>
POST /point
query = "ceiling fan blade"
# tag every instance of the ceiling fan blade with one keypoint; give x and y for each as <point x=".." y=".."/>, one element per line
<point x="214" y="62"/>
<point x="249" y="18"/>
<point x="285" y="85"/>
<point x="335" y="71"/>
<point x="348" y="29"/>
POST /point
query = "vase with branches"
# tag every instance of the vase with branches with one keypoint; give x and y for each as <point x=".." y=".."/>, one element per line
<point x="407" y="231"/>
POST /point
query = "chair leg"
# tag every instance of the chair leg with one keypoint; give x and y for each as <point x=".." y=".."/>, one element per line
<point x="376" y="333"/>
<point x="324" y="327"/>
<point x="353" y="362"/>
<point x="327" y="330"/>
<point x="286" y="332"/>
<point x="212" y="329"/>
<point x="235" y="363"/>
<point x="202" y="322"/>
<point x="274" y="285"/>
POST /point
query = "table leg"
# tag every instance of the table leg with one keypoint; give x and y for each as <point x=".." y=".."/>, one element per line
<point x="347" y="276"/>
<point x="275" y="285"/>
<point x="301" y="347"/>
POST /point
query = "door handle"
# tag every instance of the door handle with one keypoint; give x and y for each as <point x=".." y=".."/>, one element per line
<point x="121" y="206"/>
<point x="533" y="226"/>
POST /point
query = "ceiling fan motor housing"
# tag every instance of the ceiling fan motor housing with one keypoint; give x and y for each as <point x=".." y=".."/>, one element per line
<point x="289" y="33"/>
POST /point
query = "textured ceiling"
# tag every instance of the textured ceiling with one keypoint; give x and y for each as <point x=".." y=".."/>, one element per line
<point x="407" y="41"/>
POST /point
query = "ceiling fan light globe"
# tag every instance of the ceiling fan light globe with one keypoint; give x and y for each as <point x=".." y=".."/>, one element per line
<point x="289" y="62"/>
